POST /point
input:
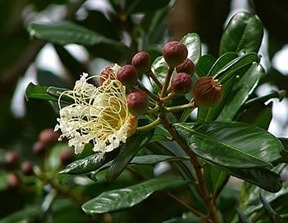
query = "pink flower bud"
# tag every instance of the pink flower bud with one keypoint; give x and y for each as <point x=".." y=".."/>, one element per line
<point x="174" y="53"/>
<point x="186" y="67"/>
<point x="142" y="62"/>
<point x="181" y="83"/>
<point x="137" y="101"/>
<point x="127" y="75"/>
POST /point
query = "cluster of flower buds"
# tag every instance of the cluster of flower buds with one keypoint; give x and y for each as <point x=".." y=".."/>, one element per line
<point x="206" y="91"/>
<point x="18" y="168"/>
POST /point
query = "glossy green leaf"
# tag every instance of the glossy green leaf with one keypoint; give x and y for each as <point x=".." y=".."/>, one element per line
<point x="261" y="177"/>
<point x="231" y="69"/>
<point x="123" y="198"/>
<point x="160" y="69"/>
<point x="67" y="32"/>
<point x="128" y="151"/>
<point x="193" y="44"/>
<point x="154" y="159"/>
<point x="204" y="65"/>
<point x="215" y="178"/>
<point x="244" y="32"/>
<point x="38" y="92"/>
<point x="221" y="62"/>
<point x="241" y="91"/>
<point x="233" y="145"/>
<point x="82" y="166"/>
<point x="227" y="75"/>
<point x="273" y="216"/>
<point x="257" y="114"/>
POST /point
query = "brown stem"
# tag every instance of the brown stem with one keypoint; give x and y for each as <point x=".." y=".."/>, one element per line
<point x="186" y="206"/>
<point x="154" y="78"/>
<point x="208" y="201"/>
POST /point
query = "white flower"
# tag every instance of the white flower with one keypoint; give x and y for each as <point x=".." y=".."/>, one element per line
<point x="99" y="115"/>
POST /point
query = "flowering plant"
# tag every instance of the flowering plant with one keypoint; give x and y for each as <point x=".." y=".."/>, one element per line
<point x="171" y="133"/>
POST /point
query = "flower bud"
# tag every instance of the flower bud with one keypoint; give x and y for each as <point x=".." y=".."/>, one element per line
<point x="39" y="148"/>
<point x="186" y="67"/>
<point x="137" y="101"/>
<point x="13" y="182"/>
<point x="127" y="75"/>
<point x="11" y="159"/>
<point x="66" y="157"/>
<point x="207" y="92"/>
<point x="27" y="168"/>
<point x="174" y="53"/>
<point x="48" y="136"/>
<point x="181" y="83"/>
<point x="142" y="62"/>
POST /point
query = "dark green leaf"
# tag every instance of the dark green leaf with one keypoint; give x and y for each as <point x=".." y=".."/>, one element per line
<point x="204" y="65"/>
<point x="273" y="216"/>
<point x="128" y="151"/>
<point x="227" y="75"/>
<point x="120" y="199"/>
<point x="154" y="159"/>
<point x="221" y="62"/>
<point x="38" y="92"/>
<point x="18" y="216"/>
<point x="67" y="32"/>
<point x="241" y="91"/>
<point x="242" y="217"/>
<point x="233" y="145"/>
<point x="243" y="33"/>
<point x="82" y="166"/>
<point x="260" y="177"/>
<point x="193" y="44"/>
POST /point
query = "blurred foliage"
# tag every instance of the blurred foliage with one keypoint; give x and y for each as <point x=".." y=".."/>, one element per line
<point x="117" y="33"/>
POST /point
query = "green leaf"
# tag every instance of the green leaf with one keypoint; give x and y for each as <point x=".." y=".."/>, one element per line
<point x="221" y="62"/>
<point x="65" y="32"/>
<point x="160" y="69"/>
<point x="260" y="177"/>
<point x="241" y="91"/>
<point x="38" y="92"/>
<point x="154" y="159"/>
<point x="242" y="217"/>
<point x="232" y="145"/>
<point x="204" y="65"/>
<point x="27" y="212"/>
<point x="244" y="32"/>
<point x="128" y="151"/>
<point x="123" y="198"/>
<point x="273" y="216"/>
<point x="193" y="44"/>
<point x="82" y="166"/>
<point x="227" y="75"/>
<point x="216" y="179"/>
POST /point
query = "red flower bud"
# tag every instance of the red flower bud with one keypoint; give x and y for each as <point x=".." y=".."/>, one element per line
<point x="142" y="62"/>
<point x="127" y="75"/>
<point x="207" y="92"/>
<point x="13" y="182"/>
<point x="137" y="101"/>
<point x="49" y="137"/>
<point x="66" y="157"/>
<point x="174" y="53"/>
<point x="186" y="67"/>
<point x="11" y="160"/>
<point x="39" y="148"/>
<point x="27" y="168"/>
<point x="181" y="83"/>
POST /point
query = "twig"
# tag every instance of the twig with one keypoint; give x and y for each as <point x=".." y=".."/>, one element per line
<point x="198" y="170"/>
